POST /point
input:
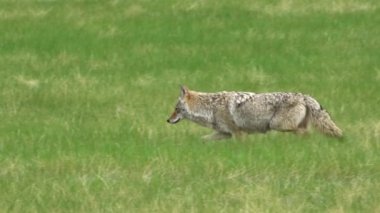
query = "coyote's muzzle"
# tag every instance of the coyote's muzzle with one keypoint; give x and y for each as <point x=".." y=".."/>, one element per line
<point x="174" y="118"/>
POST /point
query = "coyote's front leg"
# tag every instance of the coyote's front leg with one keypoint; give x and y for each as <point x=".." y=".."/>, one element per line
<point x="217" y="136"/>
<point x="240" y="135"/>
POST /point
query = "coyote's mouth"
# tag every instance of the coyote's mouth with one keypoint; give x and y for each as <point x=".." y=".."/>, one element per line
<point x="173" y="121"/>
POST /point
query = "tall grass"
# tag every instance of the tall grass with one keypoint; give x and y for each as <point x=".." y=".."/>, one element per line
<point x="86" y="87"/>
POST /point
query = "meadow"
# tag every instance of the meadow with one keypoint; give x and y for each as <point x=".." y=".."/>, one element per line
<point x="86" y="88"/>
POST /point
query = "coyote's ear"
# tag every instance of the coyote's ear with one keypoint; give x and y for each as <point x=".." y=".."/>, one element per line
<point x="184" y="91"/>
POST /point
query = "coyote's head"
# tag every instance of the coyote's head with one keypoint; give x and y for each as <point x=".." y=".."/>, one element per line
<point x="181" y="108"/>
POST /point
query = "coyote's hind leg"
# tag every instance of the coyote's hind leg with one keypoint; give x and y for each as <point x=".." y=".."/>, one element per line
<point x="292" y="119"/>
<point x="217" y="136"/>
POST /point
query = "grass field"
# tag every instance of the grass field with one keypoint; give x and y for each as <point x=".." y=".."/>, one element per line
<point x="86" y="88"/>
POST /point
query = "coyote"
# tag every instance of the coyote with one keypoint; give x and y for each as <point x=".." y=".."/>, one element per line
<point x="235" y="113"/>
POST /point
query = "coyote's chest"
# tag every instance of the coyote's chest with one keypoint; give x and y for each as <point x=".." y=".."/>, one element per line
<point x="225" y="106"/>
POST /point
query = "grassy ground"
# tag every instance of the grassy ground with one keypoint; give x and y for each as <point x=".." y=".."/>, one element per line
<point x="86" y="87"/>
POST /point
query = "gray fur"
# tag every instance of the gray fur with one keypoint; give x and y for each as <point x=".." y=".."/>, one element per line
<point x="234" y="113"/>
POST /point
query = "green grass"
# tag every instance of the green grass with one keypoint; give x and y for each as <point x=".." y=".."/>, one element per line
<point x="86" y="87"/>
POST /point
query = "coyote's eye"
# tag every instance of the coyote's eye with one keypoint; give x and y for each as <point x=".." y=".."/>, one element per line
<point x="178" y="109"/>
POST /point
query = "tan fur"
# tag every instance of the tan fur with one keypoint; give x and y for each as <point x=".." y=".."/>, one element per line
<point x="236" y="113"/>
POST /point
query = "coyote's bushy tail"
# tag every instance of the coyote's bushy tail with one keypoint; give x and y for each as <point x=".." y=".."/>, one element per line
<point x="320" y="118"/>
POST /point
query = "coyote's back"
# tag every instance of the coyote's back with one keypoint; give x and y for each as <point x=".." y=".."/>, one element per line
<point x="234" y="113"/>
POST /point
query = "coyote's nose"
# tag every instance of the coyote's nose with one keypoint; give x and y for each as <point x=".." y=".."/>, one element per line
<point x="168" y="120"/>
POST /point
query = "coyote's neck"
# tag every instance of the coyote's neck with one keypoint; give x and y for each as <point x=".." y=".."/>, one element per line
<point x="200" y="109"/>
